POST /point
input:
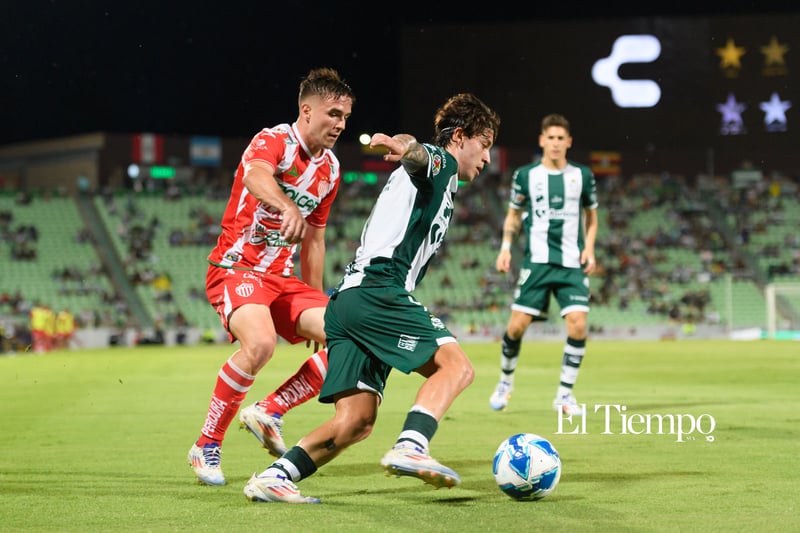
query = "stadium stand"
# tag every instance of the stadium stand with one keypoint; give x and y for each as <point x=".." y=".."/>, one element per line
<point x="163" y="243"/>
<point x="49" y="258"/>
<point x="670" y="253"/>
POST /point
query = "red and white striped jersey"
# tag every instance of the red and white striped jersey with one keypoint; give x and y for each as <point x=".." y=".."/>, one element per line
<point x="250" y="237"/>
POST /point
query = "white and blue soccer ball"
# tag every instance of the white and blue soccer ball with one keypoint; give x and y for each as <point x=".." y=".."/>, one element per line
<point x="526" y="467"/>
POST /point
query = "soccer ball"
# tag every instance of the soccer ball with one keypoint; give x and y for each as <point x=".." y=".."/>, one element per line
<point x="526" y="467"/>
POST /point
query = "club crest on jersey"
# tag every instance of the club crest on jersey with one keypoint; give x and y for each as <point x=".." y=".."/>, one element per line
<point x="245" y="290"/>
<point x="436" y="322"/>
<point x="323" y="188"/>
<point x="436" y="164"/>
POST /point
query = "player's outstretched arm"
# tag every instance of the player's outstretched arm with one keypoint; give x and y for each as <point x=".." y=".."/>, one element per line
<point x="403" y="148"/>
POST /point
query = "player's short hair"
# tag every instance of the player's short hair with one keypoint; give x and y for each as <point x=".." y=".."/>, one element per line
<point x="555" y="119"/>
<point x="324" y="82"/>
<point x="464" y="111"/>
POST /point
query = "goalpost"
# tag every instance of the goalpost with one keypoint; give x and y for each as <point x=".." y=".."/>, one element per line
<point x="783" y="301"/>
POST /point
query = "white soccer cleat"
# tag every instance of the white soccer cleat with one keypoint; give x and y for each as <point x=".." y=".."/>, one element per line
<point x="568" y="405"/>
<point x="412" y="461"/>
<point x="502" y="393"/>
<point x="266" y="428"/>
<point x="274" y="490"/>
<point x="206" y="463"/>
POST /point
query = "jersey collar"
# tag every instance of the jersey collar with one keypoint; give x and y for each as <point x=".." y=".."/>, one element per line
<point x="300" y="140"/>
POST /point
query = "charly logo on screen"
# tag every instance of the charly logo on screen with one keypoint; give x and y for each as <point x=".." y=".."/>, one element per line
<point x="629" y="49"/>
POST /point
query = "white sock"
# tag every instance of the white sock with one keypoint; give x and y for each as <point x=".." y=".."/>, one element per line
<point x="563" y="391"/>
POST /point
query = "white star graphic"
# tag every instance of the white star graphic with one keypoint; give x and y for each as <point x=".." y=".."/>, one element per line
<point x="732" y="123"/>
<point x="731" y="110"/>
<point x="775" y="109"/>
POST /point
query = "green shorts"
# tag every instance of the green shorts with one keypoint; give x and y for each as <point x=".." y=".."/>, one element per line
<point x="369" y="331"/>
<point x="537" y="282"/>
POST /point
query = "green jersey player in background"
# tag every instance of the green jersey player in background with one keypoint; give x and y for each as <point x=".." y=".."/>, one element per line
<point x="555" y="201"/>
<point x="373" y="323"/>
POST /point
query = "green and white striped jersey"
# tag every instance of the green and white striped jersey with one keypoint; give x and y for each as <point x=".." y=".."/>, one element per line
<point x="553" y="203"/>
<point x="406" y="226"/>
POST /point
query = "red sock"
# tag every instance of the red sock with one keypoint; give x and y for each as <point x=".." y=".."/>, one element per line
<point x="300" y="387"/>
<point x="229" y="392"/>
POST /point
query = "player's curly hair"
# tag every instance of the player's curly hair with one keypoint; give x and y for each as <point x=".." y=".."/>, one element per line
<point x="464" y="111"/>
<point x="324" y="82"/>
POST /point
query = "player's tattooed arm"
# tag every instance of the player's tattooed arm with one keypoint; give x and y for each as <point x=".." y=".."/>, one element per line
<point x="415" y="158"/>
<point x="403" y="148"/>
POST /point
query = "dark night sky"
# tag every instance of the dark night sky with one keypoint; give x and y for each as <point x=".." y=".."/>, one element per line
<point x="229" y="68"/>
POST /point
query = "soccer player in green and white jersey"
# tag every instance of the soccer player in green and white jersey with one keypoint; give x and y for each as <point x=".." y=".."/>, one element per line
<point x="373" y="323"/>
<point x="555" y="202"/>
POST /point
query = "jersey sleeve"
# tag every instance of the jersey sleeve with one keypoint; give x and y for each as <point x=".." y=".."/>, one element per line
<point x="589" y="195"/>
<point x="266" y="146"/>
<point x="519" y="191"/>
<point x="436" y="161"/>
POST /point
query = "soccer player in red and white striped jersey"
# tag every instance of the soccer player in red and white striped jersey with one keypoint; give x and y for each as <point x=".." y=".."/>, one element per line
<point x="281" y="196"/>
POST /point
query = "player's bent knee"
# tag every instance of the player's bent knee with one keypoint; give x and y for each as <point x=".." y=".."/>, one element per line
<point x="359" y="430"/>
<point x="467" y="376"/>
<point x="458" y="365"/>
<point x="260" y="351"/>
<point x="365" y="432"/>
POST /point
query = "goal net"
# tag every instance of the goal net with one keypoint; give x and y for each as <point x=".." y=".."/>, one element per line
<point x="783" y="310"/>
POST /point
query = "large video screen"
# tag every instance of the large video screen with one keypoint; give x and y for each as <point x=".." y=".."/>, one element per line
<point x="726" y="84"/>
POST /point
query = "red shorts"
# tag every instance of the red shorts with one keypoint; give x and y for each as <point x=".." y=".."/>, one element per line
<point x="228" y="289"/>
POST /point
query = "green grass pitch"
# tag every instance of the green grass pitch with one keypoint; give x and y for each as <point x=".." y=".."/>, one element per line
<point x="96" y="440"/>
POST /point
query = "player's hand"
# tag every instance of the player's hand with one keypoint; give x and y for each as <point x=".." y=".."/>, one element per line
<point x="588" y="262"/>
<point x="397" y="145"/>
<point x="293" y="225"/>
<point x="316" y="345"/>
<point x="503" y="262"/>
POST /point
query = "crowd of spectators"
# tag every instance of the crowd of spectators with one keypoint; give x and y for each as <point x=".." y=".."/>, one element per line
<point x="705" y="228"/>
<point x="140" y="229"/>
<point x="22" y="238"/>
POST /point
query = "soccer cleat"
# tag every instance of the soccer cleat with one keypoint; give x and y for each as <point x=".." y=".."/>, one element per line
<point x="567" y="404"/>
<point x="412" y="461"/>
<point x="205" y="462"/>
<point x="266" y="428"/>
<point x="501" y="395"/>
<point x="274" y="489"/>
